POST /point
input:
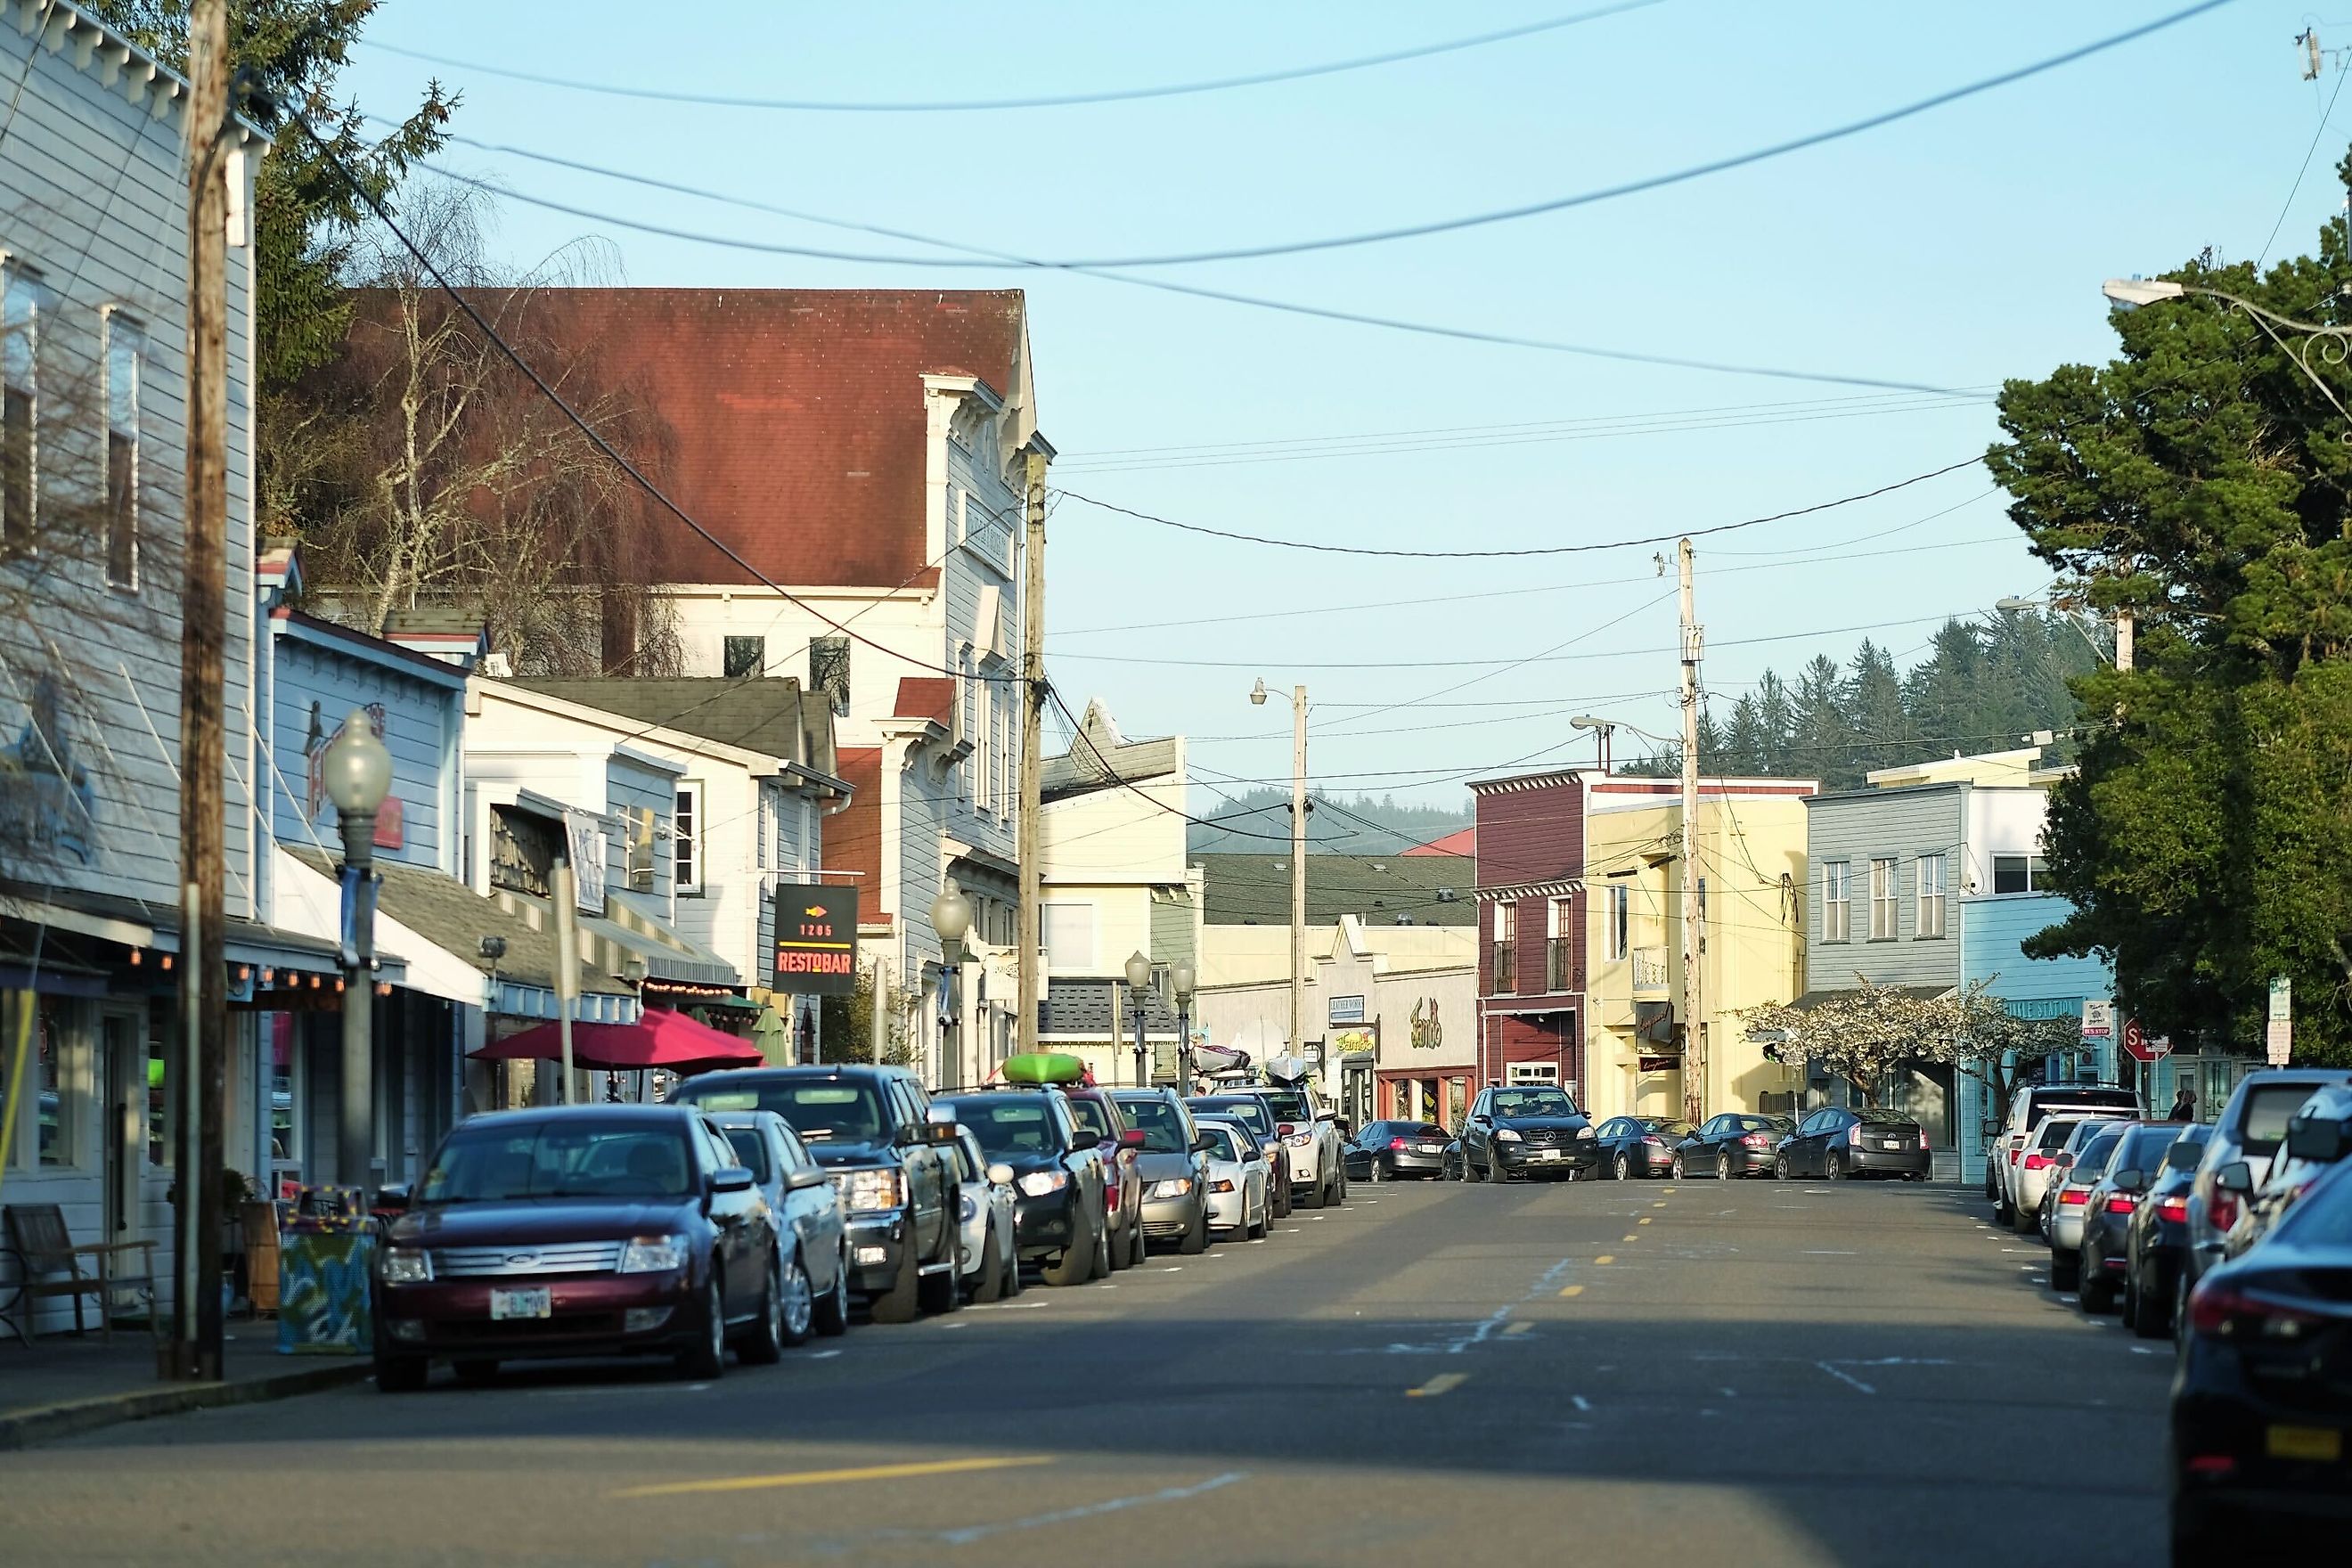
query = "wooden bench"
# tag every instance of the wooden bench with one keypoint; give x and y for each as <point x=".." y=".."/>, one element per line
<point x="38" y="1240"/>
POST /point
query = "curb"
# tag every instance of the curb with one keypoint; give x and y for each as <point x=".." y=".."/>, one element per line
<point x="52" y="1423"/>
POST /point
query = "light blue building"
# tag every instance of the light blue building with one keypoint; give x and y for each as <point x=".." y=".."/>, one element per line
<point x="1994" y="928"/>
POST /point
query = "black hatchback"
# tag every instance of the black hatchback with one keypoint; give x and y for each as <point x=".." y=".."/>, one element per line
<point x="1837" y="1141"/>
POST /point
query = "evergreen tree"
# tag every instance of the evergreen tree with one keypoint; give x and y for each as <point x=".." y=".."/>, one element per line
<point x="1821" y="736"/>
<point x="1882" y="734"/>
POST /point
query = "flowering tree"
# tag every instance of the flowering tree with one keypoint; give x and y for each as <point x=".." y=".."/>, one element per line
<point x="1864" y="1034"/>
<point x="1991" y="1044"/>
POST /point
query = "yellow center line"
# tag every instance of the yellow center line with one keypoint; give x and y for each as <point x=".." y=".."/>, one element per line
<point x="1633" y="1238"/>
<point x="1604" y="1258"/>
<point x="1571" y="1290"/>
<point x="1666" y="1189"/>
<point x="826" y="1477"/>
<point x="1644" y="1220"/>
<point x="1517" y="1328"/>
<point x="1444" y="1382"/>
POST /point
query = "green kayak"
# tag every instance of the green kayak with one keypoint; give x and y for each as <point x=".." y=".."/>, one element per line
<point x="1043" y="1066"/>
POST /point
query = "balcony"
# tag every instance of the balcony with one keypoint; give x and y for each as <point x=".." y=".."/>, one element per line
<point x="1649" y="983"/>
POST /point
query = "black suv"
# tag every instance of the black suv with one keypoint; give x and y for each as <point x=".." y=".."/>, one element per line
<point x="1058" y="1180"/>
<point x="893" y="1164"/>
<point x="1527" y="1129"/>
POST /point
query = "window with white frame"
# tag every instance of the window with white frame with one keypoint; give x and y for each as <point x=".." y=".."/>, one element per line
<point x="1620" y="920"/>
<point x="20" y="360"/>
<point x="984" y="773"/>
<point x="1067" y="931"/>
<point x="1506" y="950"/>
<point x="685" y="838"/>
<point x="1560" y="915"/>
<point x="125" y="346"/>
<point x="1837" y="900"/>
<point x="1882" y="917"/>
<point x="1930" y="921"/>
<point x="2020" y="873"/>
<point x="1533" y="1072"/>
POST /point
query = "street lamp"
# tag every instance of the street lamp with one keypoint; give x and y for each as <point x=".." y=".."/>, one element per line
<point x="1603" y="731"/>
<point x="2131" y="293"/>
<point x="1297" y="869"/>
<point x="1139" y="978"/>
<point x="1180" y="976"/>
<point x="357" y="771"/>
<point x="951" y="918"/>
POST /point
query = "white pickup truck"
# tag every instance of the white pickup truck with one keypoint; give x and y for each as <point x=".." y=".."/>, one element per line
<point x="1310" y="1128"/>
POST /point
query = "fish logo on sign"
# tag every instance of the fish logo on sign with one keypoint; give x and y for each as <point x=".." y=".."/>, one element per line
<point x="815" y="911"/>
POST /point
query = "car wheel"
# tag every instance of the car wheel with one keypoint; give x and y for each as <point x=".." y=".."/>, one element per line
<point x="707" y="1357"/>
<point x="1311" y="1198"/>
<point x="1374" y="1175"/>
<point x="1833" y="1167"/>
<point x="991" y="1268"/>
<point x="2144" y="1312"/>
<point x="2179" y="1300"/>
<point x="832" y="1310"/>
<point x="1780" y="1168"/>
<point x="1102" y="1249"/>
<point x="2065" y="1271"/>
<point x="401" y="1373"/>
<point x="476" y="1371"/>
<point x="1723" y="1171"/>
<point x="1255" y="1230"/>
<point x="764" y="1344"/>
<point x="2202" y="1535"/>
<point x="2001" y="1213"/>
<point x="1622" y="1167"/>
<point x="1136" y="1249"/>
<point x="1196" y="1240"/>
<point x="1496" y="1172"/>
<point x="902" y="1300"/>
<point x="1077" y="1264"/>
<point x="2098" y="1297"/>
<point x="1677" y="1168"/>
<point x="942" y="1293"/>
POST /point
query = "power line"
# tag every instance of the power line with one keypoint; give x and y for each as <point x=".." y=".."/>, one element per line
<point x="1054" y="100"/>
<point x="1528" y="550"/>
<point x="596" y="437"/>
<point x="1564" y="203"/>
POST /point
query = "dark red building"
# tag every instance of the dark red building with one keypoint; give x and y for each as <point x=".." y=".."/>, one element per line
<point x="1530" y="888"/>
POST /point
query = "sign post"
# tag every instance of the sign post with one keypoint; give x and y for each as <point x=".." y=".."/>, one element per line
<point x="2278" y="1036"/>
<point x="2143" y="1047"/>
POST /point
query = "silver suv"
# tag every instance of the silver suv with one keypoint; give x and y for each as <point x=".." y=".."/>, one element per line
<point x="1310" y="1130"/>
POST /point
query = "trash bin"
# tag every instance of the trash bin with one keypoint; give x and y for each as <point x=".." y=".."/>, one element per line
<point x="326" y="1258"/>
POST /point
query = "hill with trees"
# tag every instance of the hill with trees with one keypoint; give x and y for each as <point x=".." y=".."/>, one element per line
<point x="1357" y="825"/>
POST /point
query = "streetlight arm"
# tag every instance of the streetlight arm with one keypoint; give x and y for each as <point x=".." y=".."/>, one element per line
<point x="2336" y="342"/>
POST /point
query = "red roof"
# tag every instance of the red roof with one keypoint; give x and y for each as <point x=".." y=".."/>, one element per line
<point x="926" y="697"/>
<point x="793" y="420"/>
<point x="1461" y="841"/>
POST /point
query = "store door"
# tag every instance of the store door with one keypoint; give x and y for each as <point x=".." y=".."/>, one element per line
<point x="122" y="1075"/>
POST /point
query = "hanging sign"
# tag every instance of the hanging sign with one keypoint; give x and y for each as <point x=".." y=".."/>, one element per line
<point x="816" y="939"/>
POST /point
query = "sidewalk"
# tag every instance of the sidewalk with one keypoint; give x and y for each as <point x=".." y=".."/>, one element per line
<point x="62" y="1386"/>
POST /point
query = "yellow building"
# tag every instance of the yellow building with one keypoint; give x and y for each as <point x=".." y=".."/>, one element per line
<point x="1751" y="883"/>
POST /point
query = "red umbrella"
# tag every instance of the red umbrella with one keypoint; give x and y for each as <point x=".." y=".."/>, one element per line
<point x="658" y="1039"/>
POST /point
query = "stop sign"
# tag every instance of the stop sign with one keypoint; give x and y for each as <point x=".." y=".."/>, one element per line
<point x="2142" y="1048"/>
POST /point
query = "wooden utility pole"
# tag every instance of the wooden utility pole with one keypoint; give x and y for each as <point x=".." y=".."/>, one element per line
<point x="1693" y="1024"/>
<point x="197" y="1145"/>
<point x="1299" y="888"/>
<point x="1033" y="741"/>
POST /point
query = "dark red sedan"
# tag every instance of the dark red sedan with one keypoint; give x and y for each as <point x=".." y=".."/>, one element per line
<point x="578" y="1231"/>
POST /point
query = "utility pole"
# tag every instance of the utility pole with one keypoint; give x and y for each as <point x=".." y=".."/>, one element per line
<point x="1033" y="735"/>
<point x="1693" y="1027"/>
<point x="1299" y="886"/>
<point x="2125" y="627"/>
<point x="879" y="1015"/>
<point x="198" y="1145"/>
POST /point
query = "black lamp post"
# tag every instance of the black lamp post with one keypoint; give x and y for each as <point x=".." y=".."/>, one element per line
<point x="358" y="770"/>
<point x="1180" y="976"/>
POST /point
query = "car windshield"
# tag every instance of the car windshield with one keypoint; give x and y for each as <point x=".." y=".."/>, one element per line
<point x="821" y="1110"/>
<point x="2056" y="1130"/>
<point x="751" y="1148"/>
<point x="2094" y="1158"/>
<point x="1162" y="1124"/>
<point x="2269" y="1107"/>
<point x="1291" y="1104"/>
<point x="1092" y="1119"/>
<point x="1761" y="1123"/>
<point x="1671" y="1126"/>
<point x="494" y="1164"/>
<point x="1007" y="1124"/>
<point x="1248" y="1113"/>
<point x="1232" y="1143"/>
<point x="1886" y="1119"/>
<point x="2143" y="1147"/>
<point x="2187" y="1149"/>
<point x="1533" y="1102"/>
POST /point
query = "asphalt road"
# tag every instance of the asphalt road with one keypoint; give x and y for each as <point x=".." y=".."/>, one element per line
<point x="1755" y="1372"/>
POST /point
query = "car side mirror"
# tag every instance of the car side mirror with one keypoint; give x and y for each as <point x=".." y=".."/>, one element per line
<point x="2134" y="1181"/>
<point x="1203" y="1143"/>
<point x="936" y="1133"/>
<point x="2237" y="1176"/>
<point x="1132" y="1139"/>
<point x="1347" y="1127"/>
<point x="732" y="1179"/>
<point x="1000" y="1174"/>
<point x="1482" y="1120"/>
<point x="2322" y="1142"/>
<point x="802" y="1179"/>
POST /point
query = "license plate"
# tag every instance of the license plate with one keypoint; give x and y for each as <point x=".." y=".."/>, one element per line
<point x="1892" y="1145"/>
<point x="2306" y="1443"/>
<point x="1429" y="1148"/>
<point x="538" y="1303"/>
<point x="1547" y="1153"/>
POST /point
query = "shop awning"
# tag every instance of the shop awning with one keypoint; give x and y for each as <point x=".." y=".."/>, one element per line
<point x="129" y="922"/>
<point x="658" y="1039"/>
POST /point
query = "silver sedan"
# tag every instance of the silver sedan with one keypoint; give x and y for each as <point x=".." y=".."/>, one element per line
<point x="1239" y="1198"/>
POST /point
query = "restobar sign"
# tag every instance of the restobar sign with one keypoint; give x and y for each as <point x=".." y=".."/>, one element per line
<point x="816" y="939"/>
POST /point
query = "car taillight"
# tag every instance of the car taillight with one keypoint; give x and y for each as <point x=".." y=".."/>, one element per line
<point x="2218" y="1309"/>
<point x="2012" y="1156"/>
<point x="2038" y="1160"/>
<point x="2121" y="1203"/>
<point x="1757" y="1140"/>
<point x="2071" y="1196"/>
<point x="2175" y="1209"/>
<point x="1655" y="1141"/>
<point x="1396" y="1142"/>
<point x="1285" y="1129"/>
<point x="1854" y="1135"/>
<point x="2222" y="1211"/>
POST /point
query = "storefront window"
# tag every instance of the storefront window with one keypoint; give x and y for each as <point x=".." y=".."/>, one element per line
<point x="52" y="1036"/>
<point x="159" y="1093"/>
<point x="284" y="1133"/>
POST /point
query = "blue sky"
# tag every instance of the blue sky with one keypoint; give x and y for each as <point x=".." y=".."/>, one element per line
<point x="1953" y="249"/>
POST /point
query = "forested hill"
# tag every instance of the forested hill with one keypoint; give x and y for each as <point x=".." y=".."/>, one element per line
<point x="1983" y="686"/>
<point x="1352" y="824"/>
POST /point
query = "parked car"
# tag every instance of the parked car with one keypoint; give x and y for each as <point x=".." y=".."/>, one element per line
<point x="1103" y="1121"/>
<point x="1061" y="1216"/>
<point x="1736" y="1144"/>
<point x="807" y="1212"/>
<point x="871" y="1128"/>
<point x="2102" y="1255"/>
<point x="2028" y="1106"/>
<point x="1837" y="1141"/>
<point x="2262" y="1409"/>
<point x="1174" y="1166"/>
<point x="1532" y="1129"/>
<point x="1640" y="1145"/>
<point x="2248" y="1130"/>
<point x="2155" y="1242"/>
<point x="1310" y="1131"/>
<point x="2318" y="1136"/>
<point x="1253" y="1111"/>
<point x="985" y="1208"/>
<point x="2063" y="1194"/>
<point x="1449" y="1165"/>
<point x="578" y="1230"/>
<point x="2045" y="1156"/>
<point x="1384" y="1150"/>
<point x="1238" y="1197"/>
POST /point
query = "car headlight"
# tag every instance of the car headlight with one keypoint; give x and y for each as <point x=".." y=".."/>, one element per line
<point x="1221" y="1186"/>
<point x="1300" y="1140"/>
<point x="406" y="1266"/>
<point x="1037" y="1183"/>
<point x="872" y="1190"/>
<point x="1173" y="1187"/>
<point x="652" y="1254"/>
<point x="966" y="1207"/>
<point x="1586" y="1132"/>
<point x="1505" y="1135"/>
